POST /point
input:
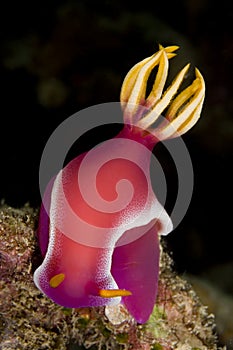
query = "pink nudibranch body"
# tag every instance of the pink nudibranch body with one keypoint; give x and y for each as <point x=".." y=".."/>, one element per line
<point x="100" y="219"/>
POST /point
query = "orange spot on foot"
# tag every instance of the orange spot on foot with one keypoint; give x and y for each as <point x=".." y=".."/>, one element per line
<point x="56" y="280"/>
<point x="113" y="293"/>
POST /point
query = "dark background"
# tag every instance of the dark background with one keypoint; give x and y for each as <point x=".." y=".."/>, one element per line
<point x="60" y="57"/>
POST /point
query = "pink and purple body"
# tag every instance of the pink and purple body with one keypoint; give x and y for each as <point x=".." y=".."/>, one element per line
<point x="102" y="252"/>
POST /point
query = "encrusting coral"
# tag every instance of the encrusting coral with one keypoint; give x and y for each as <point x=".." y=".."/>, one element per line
<point x="29" y="320"/>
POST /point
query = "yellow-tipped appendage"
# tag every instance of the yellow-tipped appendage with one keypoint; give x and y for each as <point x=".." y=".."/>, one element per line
<point x="181" y="111"/>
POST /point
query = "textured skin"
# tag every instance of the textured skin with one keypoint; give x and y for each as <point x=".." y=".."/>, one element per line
<point x="100" y="232"/>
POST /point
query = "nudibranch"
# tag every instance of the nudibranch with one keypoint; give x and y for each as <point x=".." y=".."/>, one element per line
<point x="100" y="220"/>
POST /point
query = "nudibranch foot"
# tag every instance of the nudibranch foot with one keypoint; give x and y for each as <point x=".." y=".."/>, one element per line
<point x="135" y="266"/>
<point x="75" y="278"/>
